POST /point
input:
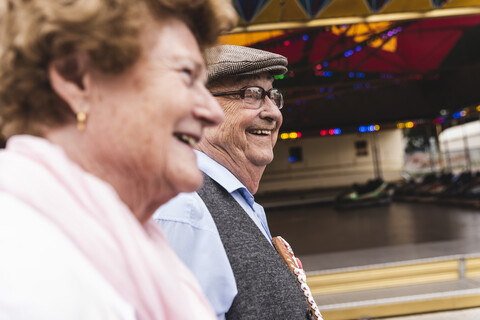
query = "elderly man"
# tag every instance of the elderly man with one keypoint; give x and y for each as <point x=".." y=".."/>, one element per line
<point x="220" y="232"/>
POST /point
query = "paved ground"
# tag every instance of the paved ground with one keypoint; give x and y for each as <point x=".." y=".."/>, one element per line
<point x="467" y="314"/>
<point x="319" y="228"/>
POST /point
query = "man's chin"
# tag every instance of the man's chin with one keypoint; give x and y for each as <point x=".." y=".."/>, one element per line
<point x="262" y="160"/>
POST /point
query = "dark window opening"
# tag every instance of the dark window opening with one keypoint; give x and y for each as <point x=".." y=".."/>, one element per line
<point x="361" y="148"/>
<point x="295" y="154"/>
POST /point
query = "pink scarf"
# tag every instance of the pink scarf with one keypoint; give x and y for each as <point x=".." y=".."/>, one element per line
<point x="135" y="259"/>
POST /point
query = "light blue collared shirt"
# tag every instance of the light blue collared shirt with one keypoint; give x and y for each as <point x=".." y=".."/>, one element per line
<point x="192" y="233"/>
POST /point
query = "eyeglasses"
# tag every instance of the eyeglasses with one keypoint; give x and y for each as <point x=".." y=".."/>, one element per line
<point x="253" y="96"/>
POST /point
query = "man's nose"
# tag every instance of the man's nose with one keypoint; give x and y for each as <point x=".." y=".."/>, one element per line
<point x="270" y="110"/>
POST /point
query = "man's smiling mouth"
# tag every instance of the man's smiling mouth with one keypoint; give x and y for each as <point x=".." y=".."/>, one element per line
<point x="261" y="132"/>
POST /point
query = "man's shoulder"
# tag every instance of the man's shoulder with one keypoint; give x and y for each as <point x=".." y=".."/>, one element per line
<point x="187" y="209"/>
<point x="192" y="233"/>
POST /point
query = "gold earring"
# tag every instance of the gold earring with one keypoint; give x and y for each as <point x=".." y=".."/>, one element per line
<point x="81" y="120"/>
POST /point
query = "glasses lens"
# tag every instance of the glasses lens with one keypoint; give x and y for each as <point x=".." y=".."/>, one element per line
<point x="252" y="97"/>
<point x="277" y="97"/>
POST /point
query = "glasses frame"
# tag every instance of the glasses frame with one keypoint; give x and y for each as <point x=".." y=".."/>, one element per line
<point x="241" y="93"/>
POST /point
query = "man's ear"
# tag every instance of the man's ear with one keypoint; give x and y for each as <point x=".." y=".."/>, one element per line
<point x="70" y="79"/>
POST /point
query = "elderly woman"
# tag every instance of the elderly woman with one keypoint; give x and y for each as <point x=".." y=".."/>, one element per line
<point x="101" y="102"/>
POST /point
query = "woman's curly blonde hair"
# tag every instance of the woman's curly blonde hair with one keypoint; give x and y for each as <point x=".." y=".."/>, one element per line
<point x="34" y="32"/>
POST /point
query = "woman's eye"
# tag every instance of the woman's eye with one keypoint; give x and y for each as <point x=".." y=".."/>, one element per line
<point x="189" y="75"/>
<point x="187" y="71"/>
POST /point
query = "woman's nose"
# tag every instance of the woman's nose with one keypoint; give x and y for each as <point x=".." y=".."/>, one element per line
<point x="209" y="110"/>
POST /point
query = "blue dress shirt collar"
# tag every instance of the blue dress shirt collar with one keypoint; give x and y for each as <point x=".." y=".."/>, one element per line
<point x="222" y="176"/>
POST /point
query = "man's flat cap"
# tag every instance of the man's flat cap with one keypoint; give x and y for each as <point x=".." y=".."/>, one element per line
<point x="228" y="60"/>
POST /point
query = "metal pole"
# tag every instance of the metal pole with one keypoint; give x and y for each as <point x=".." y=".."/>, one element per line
<point x="441" y="158"/>
<point x="376" y="158"/>
<point x="468" y="161"/>
<point x="447" y="157"/>
<point x="430" y="155"/>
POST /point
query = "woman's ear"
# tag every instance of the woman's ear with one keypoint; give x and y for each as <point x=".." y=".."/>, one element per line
<point x="70" y="79"/>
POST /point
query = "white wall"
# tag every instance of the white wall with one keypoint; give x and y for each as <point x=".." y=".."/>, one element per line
<point x="455" y="141"/>
<point x="331" y="161"/>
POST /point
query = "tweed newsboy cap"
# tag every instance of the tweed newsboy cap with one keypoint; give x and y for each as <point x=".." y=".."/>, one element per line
<point x="229" y="60"/>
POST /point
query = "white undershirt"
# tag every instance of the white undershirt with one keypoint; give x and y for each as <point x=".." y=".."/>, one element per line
<point x="43" y="276"/>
